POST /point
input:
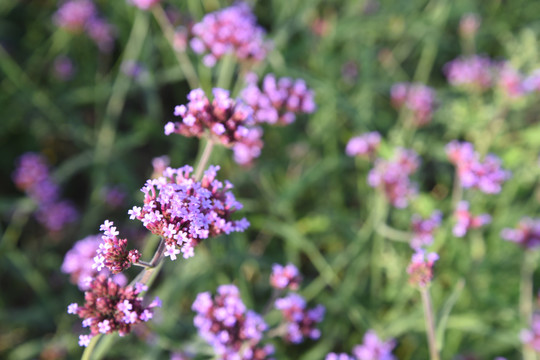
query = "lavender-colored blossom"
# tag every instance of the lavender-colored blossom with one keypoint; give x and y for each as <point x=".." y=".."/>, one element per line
<point x="228" y="121"/>
<point x="73" y="15"/>
<point x="110" y="307"/>
<point x="79" y="260"/>
<point x="423" y="229"/>
<point x="287" y="276"/>
<point x="112" y="253"/>
<point x="278" y="101"/>
<point x="63" y="68"/>
<point x="231" y="30"/>
<point x="300" y="320"/>
<point x="184" y="211"/>
<point x="487" y="176"/>
<point x="419" y="99"/>
<point x="364" y="145"/>
<point x="392" y="176"/>
<point x="465" y="220"/>
<point x="340" y="356"/>
<point x="420" y="269"/>
<point x="374" y="348"/>
<point x="531" y="337"/>
<point x="102" y="33"/>
<point x="532" y="82"/>
<point x="475" y="72"/>
<point x="224" y="322"/>
<point x="510" y="81"/>
<point x="527" y="233"/>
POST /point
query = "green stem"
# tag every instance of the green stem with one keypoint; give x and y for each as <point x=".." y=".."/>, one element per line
<point x="430" y="323"/>
<point x="526" y="297"/>
<point x="226" y="71"/>
<point x="393" y="234"/>
<point x="183" y="59"/>
<point x="204" y="159"/>
<point x="457" y="191"/>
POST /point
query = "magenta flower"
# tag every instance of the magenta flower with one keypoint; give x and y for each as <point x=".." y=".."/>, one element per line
<point x="475" y="72"/>
<point x="465" y="220"/>
<point x="79" y="260"/>
<point x="526" y="235"/>
<point x="184" y="211"/>
<point x="419" y="99"/>
<point x="230" y="30"/>
<point x="109" y="307"/>
<point x="278" y="101"/>
<point x="511" y="81"/>
<point x="233" y="331"/>
<point x="374" y="348"/>
<point x="420" y="269"/>
<point x="365" y="145"/>
<point x="340" y="356"/>
<point x="423" y="229"/>
<point x="287" y="276"/>
<point x="300" y="321"/>
<point x="487" y="176"/>
<point x="73" y="15"/>
<point x="112" y="253"/>
<point x="392" y="176"/>
<point x="102" y="33"/>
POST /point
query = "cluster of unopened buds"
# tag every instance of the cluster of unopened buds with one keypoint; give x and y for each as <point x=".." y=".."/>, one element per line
<point x="284" y="277"/>
<point x="392" y="176"/>
<point x="32" y="176"/>
<point x="277" y="101"/>
<point x="420" y="269"/>
<point x="419" y="99"/>
<point x="231" y="30"/>
<point x="110" y="308"/>
<point x="372" y="348"/>
<point x="112" y="253"/>
<point x="487" y="176"/>
<point x="79" y="16"/>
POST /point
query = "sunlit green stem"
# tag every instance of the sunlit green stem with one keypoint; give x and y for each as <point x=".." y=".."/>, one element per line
<point x="526" y="296"/>
<point x="430" y="323"/>
<point x="204" y="159"/>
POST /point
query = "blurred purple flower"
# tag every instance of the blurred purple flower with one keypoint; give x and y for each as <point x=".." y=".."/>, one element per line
<point x="475" y="72"/>
<point x="420" y="269"/>
<point x="341" y="356"/>
<point x="301" y="321"/>
<point x="63" y="68"/>
<point x="531" y="337"/>
<point x="423" y="229"/>
<point x="526" y="235"/>
<point x="287" y="276"/>
<point x="418" y="98"/>
<point x="374" y="348"/>
<point x="73" y="15"/>
<point x="465" y="220"/>
<point x="364" y="145"/>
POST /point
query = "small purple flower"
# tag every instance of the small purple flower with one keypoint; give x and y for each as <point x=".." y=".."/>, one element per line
<point x="63" y="68"/>
<point x="419" y="99"/>
<point x="475" y="72"/>
<point x="374" y="348"/>
<point x="300" y="321"/>
<point x="420" y="269"/>
<point x="73" y="15"/>
<point x="341" y="356"/>
<point x="112" y="253"/>
<point x="423" y="229"/>
<point x="365" y="145"/>
<point x="526" y="235"/>
<point x="465" y="220"/>
<point x="531" y="337"/>
<point x="285" y="276"/>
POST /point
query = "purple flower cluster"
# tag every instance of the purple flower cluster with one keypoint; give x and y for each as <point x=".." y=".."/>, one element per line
<point x="287" y="276"/>
<point x="32" y="176"/>
<point x="465" y="220"/>
<point x="487" y="176"/>
<point x="300" y="321"/>
<point x="184" y="211"/>
<point x="419" y="99"/>
<point x="393" y="177"/>
<point x="372" y="348"/>
<point x="230" y="30"/>
<point x="110" y="307"/>
<point x="79" y="260"/>
<point x="423" y="229"/>
<point x="364" y="145"/>
<point x="81" y="15"/>
<point x="112" y="253"/>
<point x="531" y="336"/>
<point x="278" y="101"/>
<point x="226" y="120"/>
<point x="527" y="233"/>
<point x="233" y="331"/>
<point x="475" y="72"/>
<point x="510" y="81"/>
<point x="420" y="269"/>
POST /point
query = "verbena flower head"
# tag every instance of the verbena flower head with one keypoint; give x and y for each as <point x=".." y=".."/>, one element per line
<point x="364" y="145"/>
<point x="226" y="120"/>
<point x="420" y="269"/>
<point x="392" y="176"/>
<point x="419" y="99"/>
<point x="526" y="235"/>
<point x="279" y="100"/>
<point x="423" y="229"/>
<point x="474" y="73"/>
<point x="79" y="260"/>
<point x="340" y="356"/>
<point x="465" y="220"/>
<point x="532" y="82"/>
<point x="301" y="321"/>
<point x="486" y="176"/>
<point x="73" y="15"/>
<point x="112" y="253"/>
<point x="144" y="4"/>
<point x="510" y="81"/>
<point x="374" y="348"/>
<point x="287" y="276"/>
<point x="224" y="322"/>
<point x="184" y="211"/>
<point x="110" y="308"/>
<point x="230" y="30"/>
<point x="102" y="33"/>
<point x="32" y="176"/>
<point x="531" y="337"/>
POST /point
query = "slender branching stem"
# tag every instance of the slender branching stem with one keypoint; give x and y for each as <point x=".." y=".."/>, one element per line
<point x="430" y="323"/>
<point x="526" y="297"/>
<point x="204" y="159"/>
